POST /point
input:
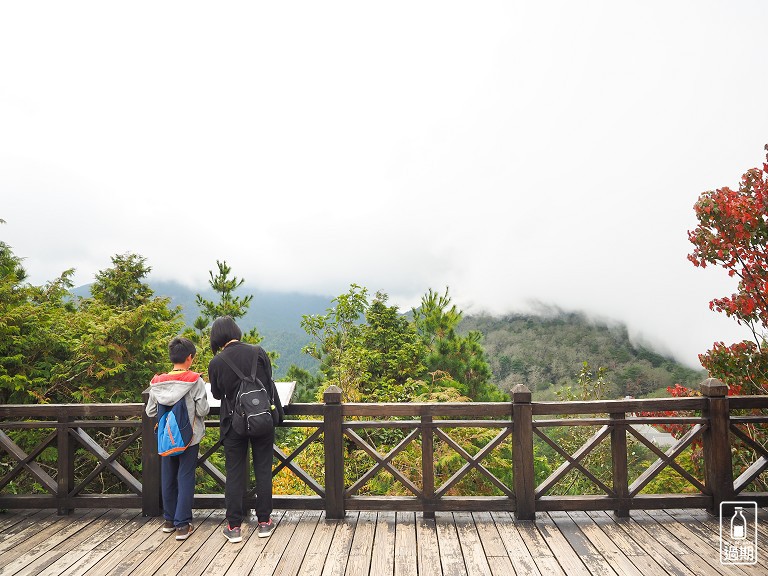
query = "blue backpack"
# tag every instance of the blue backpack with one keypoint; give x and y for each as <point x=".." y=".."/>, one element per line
<point x="174" y="430"/>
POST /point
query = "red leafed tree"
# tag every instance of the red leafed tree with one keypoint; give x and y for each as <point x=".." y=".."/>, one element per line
<point x="733" y="234"/>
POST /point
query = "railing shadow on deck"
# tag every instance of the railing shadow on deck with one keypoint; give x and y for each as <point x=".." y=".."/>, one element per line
<point x="414" y="429"/>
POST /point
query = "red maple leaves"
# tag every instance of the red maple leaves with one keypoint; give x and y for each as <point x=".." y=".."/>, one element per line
<point x="733" y="233"/>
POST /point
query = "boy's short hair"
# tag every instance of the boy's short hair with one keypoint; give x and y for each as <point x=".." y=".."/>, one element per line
<point x="180" y="348"/>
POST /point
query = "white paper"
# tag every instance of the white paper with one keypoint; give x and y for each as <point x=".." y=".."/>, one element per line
<point x="284" y="390"/>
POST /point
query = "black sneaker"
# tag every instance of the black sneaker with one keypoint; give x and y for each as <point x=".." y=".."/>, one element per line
<point x="168" y="527"/>
<point x="266" y="528"/>
<point x="183" y="532"/>
<point x="233" y="534"/>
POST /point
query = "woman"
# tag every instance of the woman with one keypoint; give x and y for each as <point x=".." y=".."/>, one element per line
<point x="225" y="341"/>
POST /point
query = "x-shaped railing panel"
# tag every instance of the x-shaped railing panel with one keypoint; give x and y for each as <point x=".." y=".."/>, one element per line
<point x="288" y="462"/>
<point x="382" y="462"/>
<point x="667" y="459"/>
<point x="106" y="460"/>
<point x="758" y="466"/>
<point x="205" y="465"/>
<point x="473" y="462"/>
<point x="573" y="461"/>
<point x="27" y="461"/>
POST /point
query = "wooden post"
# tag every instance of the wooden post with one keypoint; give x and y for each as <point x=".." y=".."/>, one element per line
<point x="65" y="474"/>
<point x="522" y="454"/>
<point x="427" y="468"/>
<point x="150" y="464"/>
<point x="717" y="443"/>
<point x="333" y="437"/>
<point x="619" y="463"/>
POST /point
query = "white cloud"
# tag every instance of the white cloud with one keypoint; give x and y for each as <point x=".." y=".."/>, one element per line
<point x="513" y="151"/>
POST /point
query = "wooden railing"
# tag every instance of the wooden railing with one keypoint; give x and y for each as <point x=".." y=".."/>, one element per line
<point x="338" y="429"/>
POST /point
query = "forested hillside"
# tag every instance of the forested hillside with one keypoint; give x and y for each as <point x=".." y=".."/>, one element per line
<point x="543" y="352"/>
<point x="546" y="352"/>
<point x="276" y="315"/>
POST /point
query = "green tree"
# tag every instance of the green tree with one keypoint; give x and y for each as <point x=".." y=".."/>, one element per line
<point x="368" y="349"/>
<point x="227" y="305"/>
<point x="307" y="384"/>
<point x="124" y="284"/>
<point x="224" y="286"/>
<point x="387" y="354"/>
<point x="331" y="334"/>
<point x="372" y="351"/>
<point x="34" y="338"/>
<point x="120" y="336"/>
<point x="56" y="348"/>
<point x="462" y="357"/>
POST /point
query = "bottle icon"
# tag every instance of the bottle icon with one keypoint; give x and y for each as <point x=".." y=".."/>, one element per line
<point x="738" y="525"/>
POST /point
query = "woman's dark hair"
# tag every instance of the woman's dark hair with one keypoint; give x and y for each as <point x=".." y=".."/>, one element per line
<point x="223" y="330"/>
<point x="180" y="348"/>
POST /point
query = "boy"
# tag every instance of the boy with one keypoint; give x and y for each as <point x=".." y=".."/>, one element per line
<point x="177" y="472"/>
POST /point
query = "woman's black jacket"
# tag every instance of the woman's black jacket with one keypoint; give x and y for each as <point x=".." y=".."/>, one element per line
<point x="224" y="381"/>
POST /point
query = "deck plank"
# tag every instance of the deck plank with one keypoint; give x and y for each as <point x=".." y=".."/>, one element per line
<point x="536" y="543"/>
<point x="251" y="546"/>
<point x="317" y="552"/>
<point x="517" y="552"/>
<point x="168" y="549"/>
<point x="610" y="551"/>
<point x="428" y="548"/>
<point x="227" y="553"/>
<point x="63" y="556"/>
<point x="383" y="554"/>
<point x="38" y="544"/>
<point x="362" y="545"/>
<point x="489" y="535"/>
<point x="700" y="555"/>
<point x="451" y="560"/>
<point x="493" y="545"/>
<point x="593" y="556"/>
<point x="104" y="557"/>
<point x="607" y="522"/>
<point x="290" y="564"/>
<point x="338" y="553"/>
<point x="278" y="543"/>
<point x="210" y="548"/>
<point x="708" y="530"/>
<point x="384" y="543"/>
<point x="201" y="545"/>
<point x="570" y="550"/>
<point x="635" y="530"/>
<point x="127" y="562"/>
<point x="30" y="527"/>
<point x="406" y="556"/>
<point x="471" y="545"/>
<point x="10" y="518"/>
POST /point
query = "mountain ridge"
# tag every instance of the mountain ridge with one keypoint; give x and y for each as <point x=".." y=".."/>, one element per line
<point x="543" y="351"/>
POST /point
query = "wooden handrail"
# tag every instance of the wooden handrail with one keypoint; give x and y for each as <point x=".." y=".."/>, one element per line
<point x="338" y="425"/>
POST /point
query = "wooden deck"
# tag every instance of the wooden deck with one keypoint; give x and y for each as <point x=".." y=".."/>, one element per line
<point x="121" y="542"/>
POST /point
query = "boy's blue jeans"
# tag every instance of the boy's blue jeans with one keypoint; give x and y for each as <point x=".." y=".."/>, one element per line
<point x="177" y="478"/>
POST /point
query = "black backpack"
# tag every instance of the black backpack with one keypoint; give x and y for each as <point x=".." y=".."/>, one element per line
<point x="251" y="408"/>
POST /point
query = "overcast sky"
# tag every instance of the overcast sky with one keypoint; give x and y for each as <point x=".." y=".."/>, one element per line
<point x="517" y="152"/>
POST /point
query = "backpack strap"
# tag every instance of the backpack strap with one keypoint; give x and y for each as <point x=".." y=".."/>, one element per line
<point x="271" y="389"/>
<point x="239" y="373"/>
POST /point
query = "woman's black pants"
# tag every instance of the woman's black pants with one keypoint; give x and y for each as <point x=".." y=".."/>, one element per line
<point x="236" y="456"/>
